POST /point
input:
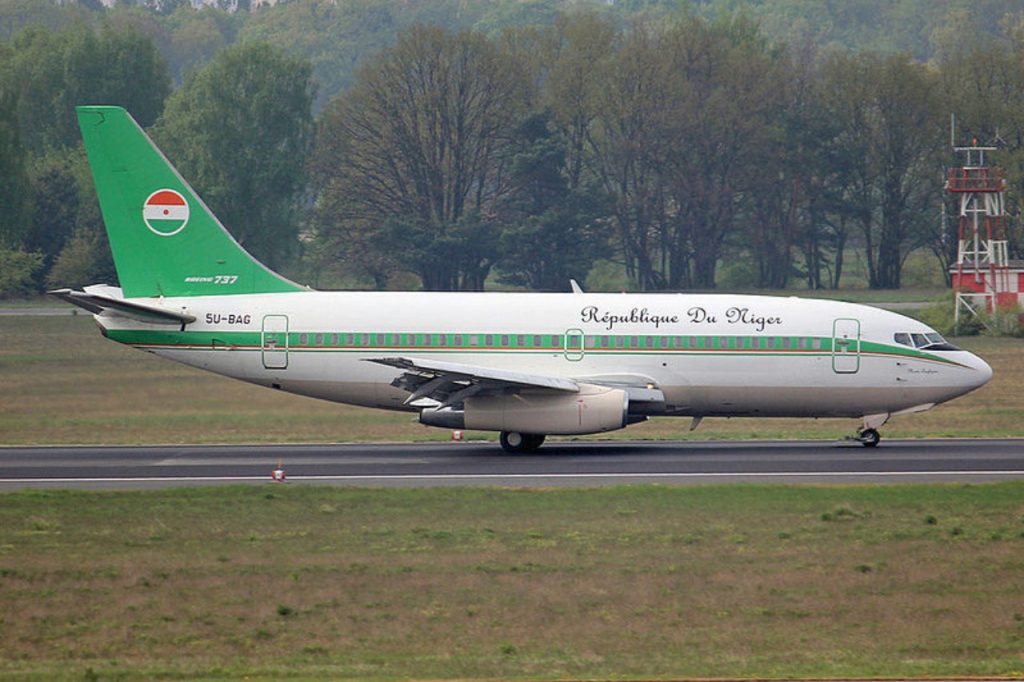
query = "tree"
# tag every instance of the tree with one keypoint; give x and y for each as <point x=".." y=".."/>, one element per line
<point x="15" y="190"/>
<point x="56" y="203"/>
<point x="239" y="130"/>
<point x="196" y="36"/>
<point x="551" y="232"/>
<point x="577" y="50"/>
<point x="624" y="139"/>
<point x="334" y="36"/>
<point x="418" y="150"/>
<point x="728" y="91"/>
<point x="55" y="72"/>
<point x="684" y="110"/>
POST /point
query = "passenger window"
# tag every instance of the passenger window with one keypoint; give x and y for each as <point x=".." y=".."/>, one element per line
<point x="303" y="339"/>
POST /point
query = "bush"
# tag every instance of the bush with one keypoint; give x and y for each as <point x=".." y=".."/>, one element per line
<point x="16" y="270"/>
<point x="79" y="263"/>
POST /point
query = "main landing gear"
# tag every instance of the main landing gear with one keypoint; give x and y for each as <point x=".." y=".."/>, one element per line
<point x="517" y="443"/>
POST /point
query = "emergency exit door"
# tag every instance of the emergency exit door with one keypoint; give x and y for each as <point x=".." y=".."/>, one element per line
<point x="275" y="341"/>
<point x="845" y="346"/>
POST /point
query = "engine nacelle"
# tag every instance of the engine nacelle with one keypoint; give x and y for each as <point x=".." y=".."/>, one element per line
<point x="593" y="410"/>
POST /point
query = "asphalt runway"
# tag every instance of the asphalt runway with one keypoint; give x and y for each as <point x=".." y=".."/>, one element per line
<point x="555" y="464"/>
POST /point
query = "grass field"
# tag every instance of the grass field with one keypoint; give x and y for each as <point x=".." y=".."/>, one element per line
<point x="271" y="582"/>
<point x="631" y="582"/>
<point x="64" y="383"/>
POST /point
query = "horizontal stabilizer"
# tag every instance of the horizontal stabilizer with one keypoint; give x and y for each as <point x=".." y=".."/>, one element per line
<point x="97" y="303"/>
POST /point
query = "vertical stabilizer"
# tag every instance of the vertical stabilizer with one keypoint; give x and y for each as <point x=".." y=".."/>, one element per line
<point x="165" y="240"/>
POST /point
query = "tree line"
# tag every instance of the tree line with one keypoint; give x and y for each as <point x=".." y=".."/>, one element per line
<point x="672" y="147"/>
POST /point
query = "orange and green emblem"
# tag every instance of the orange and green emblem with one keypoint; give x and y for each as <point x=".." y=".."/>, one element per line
<point x="165" y="212"/>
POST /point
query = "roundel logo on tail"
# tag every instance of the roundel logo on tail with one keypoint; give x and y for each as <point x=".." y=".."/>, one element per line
<point x="165" y="212"/>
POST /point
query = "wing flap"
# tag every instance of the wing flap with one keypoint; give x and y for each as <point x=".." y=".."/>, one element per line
<point x="448" y="383"/>
<point x="456" y="371"/>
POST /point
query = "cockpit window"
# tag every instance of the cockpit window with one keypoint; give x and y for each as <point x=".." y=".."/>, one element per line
<point x="929" y="341"/>
<point x="936" y="342"/>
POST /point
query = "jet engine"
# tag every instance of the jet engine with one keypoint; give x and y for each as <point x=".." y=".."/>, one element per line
<point x="593" y="410"/>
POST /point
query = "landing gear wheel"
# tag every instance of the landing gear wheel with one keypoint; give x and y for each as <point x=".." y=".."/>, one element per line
<point x="869" y="437"/>
<point x="515" y="443"/>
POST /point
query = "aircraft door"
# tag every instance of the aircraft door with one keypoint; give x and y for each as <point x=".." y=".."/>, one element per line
<point x="574" y="344"/>
<point x="845" y="346"/>
<point x="275" y="341"/>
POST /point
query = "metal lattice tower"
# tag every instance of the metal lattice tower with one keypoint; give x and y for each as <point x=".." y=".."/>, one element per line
<point x="982" y="265"/>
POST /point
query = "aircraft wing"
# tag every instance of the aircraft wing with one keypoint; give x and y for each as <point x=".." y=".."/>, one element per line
<point x="97" y="303"/>
<point x="448" y="383"/>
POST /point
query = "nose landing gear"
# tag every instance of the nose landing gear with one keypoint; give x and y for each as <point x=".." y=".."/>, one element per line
<point x="869" y="437"/>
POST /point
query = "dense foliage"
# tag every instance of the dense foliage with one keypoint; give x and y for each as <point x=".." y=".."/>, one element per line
<point x="450" y="144"/>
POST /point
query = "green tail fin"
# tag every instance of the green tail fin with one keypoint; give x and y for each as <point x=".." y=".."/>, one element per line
<point x="165" y="241"/>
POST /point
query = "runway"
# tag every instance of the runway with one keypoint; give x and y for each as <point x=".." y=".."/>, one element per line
<point x="556" y="464"/>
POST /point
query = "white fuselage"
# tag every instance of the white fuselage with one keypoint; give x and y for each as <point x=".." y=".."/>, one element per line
<point x="725" y="355"/>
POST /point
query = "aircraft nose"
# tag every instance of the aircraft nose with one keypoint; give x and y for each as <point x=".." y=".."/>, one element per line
<point x="982" y="371"/>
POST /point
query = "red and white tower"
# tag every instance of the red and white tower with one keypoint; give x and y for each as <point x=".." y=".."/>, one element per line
<point x="981" y="276"/>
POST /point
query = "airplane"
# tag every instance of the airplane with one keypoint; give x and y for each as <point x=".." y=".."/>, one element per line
<point x="526" y="365"/>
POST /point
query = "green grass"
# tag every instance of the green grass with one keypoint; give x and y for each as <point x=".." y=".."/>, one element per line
<point x="627" y="582"/>
<point x="64" y="383"/>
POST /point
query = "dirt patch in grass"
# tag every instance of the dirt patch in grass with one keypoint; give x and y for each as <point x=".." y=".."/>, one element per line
<point x="642" y="581"/>
<point x="64" y="383"/>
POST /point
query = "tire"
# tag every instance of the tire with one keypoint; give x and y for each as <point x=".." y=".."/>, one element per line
<point x="516" y="443"/>
<point x="534" y="441"/>
<point x="869" y="438"/>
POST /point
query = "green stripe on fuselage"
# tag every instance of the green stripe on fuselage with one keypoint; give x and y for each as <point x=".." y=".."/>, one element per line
<point x="596" y="344"/>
